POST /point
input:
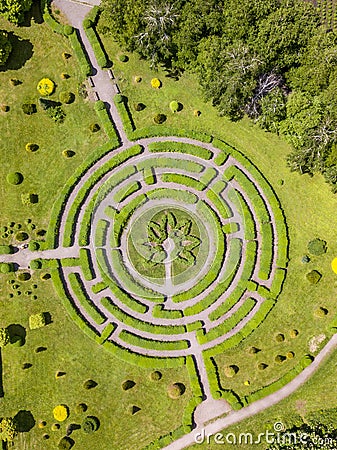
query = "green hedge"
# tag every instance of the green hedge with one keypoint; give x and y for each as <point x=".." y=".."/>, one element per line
<point x="221" y="158"/>
<point x="170" y="163"/>
<point x="266" y="255"/>
<point x="142" y="360"/>
<point x="86" y="264"/>
<point x="281" y="382"/>
<point x="160" y="131"/>
<point x="220" y="204"/>
<point x="180" y="147"/>
<point x="160" y="312"/>
<point x="182" y="179"/>
<point x="96" y="44"/>
<point x="6" y="249"/>
<point x="228" y="324"/>
<point x="175" y="194"/>
<point x="49" y="19"/>
<point x="123" y="174"/>
<point x="80" y="54"/>
<point x="208" y="176"/>
<point x="125" y="114"/>
<point x="193" y="376"/>
<point x="107" y="122"/>
<point x="188" y="420"/>
<point x="85" y="227"/>
<point x="141" y="325"/>
<point x="99" y="287"/>
<point x="81" y="294"/>
<point x="249" y="224"/>
<point x="106" y="333"/>
<point x="126" y="191"/>
<point x="101" y="232"/>
<point x="149" y="176"/>
<point x="121" y="218"/>
<point x="139" y="341"/>
<point x="277" y="284"/>
<point x="230" y="228"/>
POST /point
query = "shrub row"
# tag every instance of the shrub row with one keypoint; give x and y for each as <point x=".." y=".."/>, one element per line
<point x="194" y="325"/>
<point x="96" y="44"/>
<point x="84" y="191"/>
<point x="266" y="254"/>
<point x="163" y="441"/>
<point x="139" y="341"/>
<point x="101" y="232"/>
<point x="281" y="382"/>
<point x="122" y="175"/>
<point x="6" y="249"/>
<point x="221" y="158"/>
<point x="180" y="147"/>
<point x="93" y="15"/>
<point x="126" y="191"/>
<point x="231" y="267"/>
<point x="229" y="323"/>
<point x="121" y="218"/>
<point x="160" y="131"/>
<point x="208" y="176"/>
<point x="142" y="360"/>
<point x="140" y="324"/>
<point x="170" y="163"/>
<point x="70" y="262"/>
<point x="70" y="307"/>
<point x="175" y="194"/>
<point x="106" y="333"/>
<point x="80" y="54"/>
<point x="278" y="281"/>
<point x="122" y="106"/>
<point x="213" y="377"/>
<point x="220" y="204"/>
<point x="99" y="287"/>
<point x="230" y="228"/>
<point x="188" y="415"/>
<point x="81" y="294"/>
<point x="213" y="273"/>
<point x="248" y="221"/>
<point x="149" y="176"/>
<point x="160" y="312"/>
<point x="52" y="235"/>
<point x="86" y="264"/>
<point x="106" y="121"/>
<point x="85" y="227"/>
<point x="193" y="375"/>
<point x="182" y="179"/>
<point x="49" y="19"/>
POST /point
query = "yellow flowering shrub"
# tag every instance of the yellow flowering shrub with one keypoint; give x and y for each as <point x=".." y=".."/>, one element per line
<point x="155" y="83"/>
<point x="46" y="86"/>
<point x="334" y="265"/>
<point x="60" y="413"/>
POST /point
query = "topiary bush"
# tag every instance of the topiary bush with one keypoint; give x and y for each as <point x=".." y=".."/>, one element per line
<point x="128" y="384"/>
<point x="89" y="384"/>
<point x="174" y="106"/>
<point x="21" y="236"/>
<point x="118" y="98"/>
<point x="94" y="127"/>
<point x="305" y="259"/>
<point x="68" y="153"/>
<point x="290" y="355"/>
<point x="321" y="312"/>
<point x="35" y="264"/>
<point x="253" y="350"/>
<point x="280" y="359"/>
<point x="55" y="426"/>
<point x="87" y="23"/>
<point x="4" y="108"/>
<point x="279" y="337"/>
<point x="137" y="79"/>
<point x="262" y="366"/>
<point x="37" y="321"/>
<point x="123" y="58"/>
<point x="14" y="178"/>
<point x="4" y="337"/>
<point x="231" y="371"/>
<point x="45" y="276"/>
<point x="46" y="87"/>
<point x="293" y="333"/>
<point x="29" y="108"/>
<point x="29" y="199"/>
<point x="317" y="247"/>
<point x="6" y="267"/>
<point x="33" y="246"/>
<point x="139" y="106"/>
<point x="155" y="375"/>
<point x="90" y="424"/>
<point x="68" y="30"/>
<point x="156" y="83"/>
<point x="176" y="390"/>
<point x="61" y="413"/>
<point x="24" y="276"/>
<point x="31" y="147"/>
<point x="6" y="250"/>
<point x="80" y="408"/>
<point x="196" y="113"/>
<point x="159" y="118"/>
<point x="67" y="97"/>
<point x="313" y="277"/>
<point x="66" y="443"/>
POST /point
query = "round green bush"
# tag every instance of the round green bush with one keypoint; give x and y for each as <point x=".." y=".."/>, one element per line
<point x="174" y="106"/>
<point x="280" y="358"/>
<point x="68" y="153"/>
<point x="30" y="147"/>
<point x="230" y="371"/>
<point x="262" y="366"/>
<point x="317" y="247"/>
<point x="119" y="98"/>
<point x="33" y="246"/>
<point x="253" y="350"/>
<point x="67" y="97"/>
<point x="293" y="333"/>
<point x="176" y="390"/>
<point x="17" y="226"/>
<point x="45" y="276"/>
<point x="128" y="384"/>
<point x="89" y="384"/>
<point x="313" y="277"/>
<point x="66" y="443"/>
<point x="14" y="178"/>
<point x="87" y="23"/>
<point x="94" y="127"/>
<point x="29" y="108"/>
<point x="90" y="424"/>
<point x="321" y="312"/>
<point x="159" y="118"/>
<point x="279" y="337"/>
<point x="123" y="58"/>
<point x="155" y="375"/>
<point x="80" y="408"/>
<point x="21" y="236"/>
<point x="68" y="30"/>
<point x="6" y="250"/>
<point x="35" y="264"/>
<point x="99" y="105"/>
<point x="6" y="267"/>
<point x="305" y="259"/>
<point x="24" y="276"/>
<point x="139" y="106"/>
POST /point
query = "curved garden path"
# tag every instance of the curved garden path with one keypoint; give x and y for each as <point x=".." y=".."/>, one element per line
<point x="105" y="88"/>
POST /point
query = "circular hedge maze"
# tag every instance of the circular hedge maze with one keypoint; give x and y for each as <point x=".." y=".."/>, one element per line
<point x="172" y="247"/>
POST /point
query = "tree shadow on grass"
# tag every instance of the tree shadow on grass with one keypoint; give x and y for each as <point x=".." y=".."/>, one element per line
<point x="24" y="421"/>
<point x="21" y="53"/>
<point x="33" y="15"/>
<point x="16" y="332"/>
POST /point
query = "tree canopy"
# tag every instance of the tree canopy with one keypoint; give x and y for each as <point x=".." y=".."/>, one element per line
<point x="273" y="61"/>
<point x="14" y="10"/>
<point x="5" y="47"/>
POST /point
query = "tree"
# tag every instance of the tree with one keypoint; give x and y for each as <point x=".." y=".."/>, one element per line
<point x="8" y="429"/>
<point x="5" y="47"/>
<point x="4" y="337"/>
<point x="14" y="10"/>
<point x="272" y="110"/>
